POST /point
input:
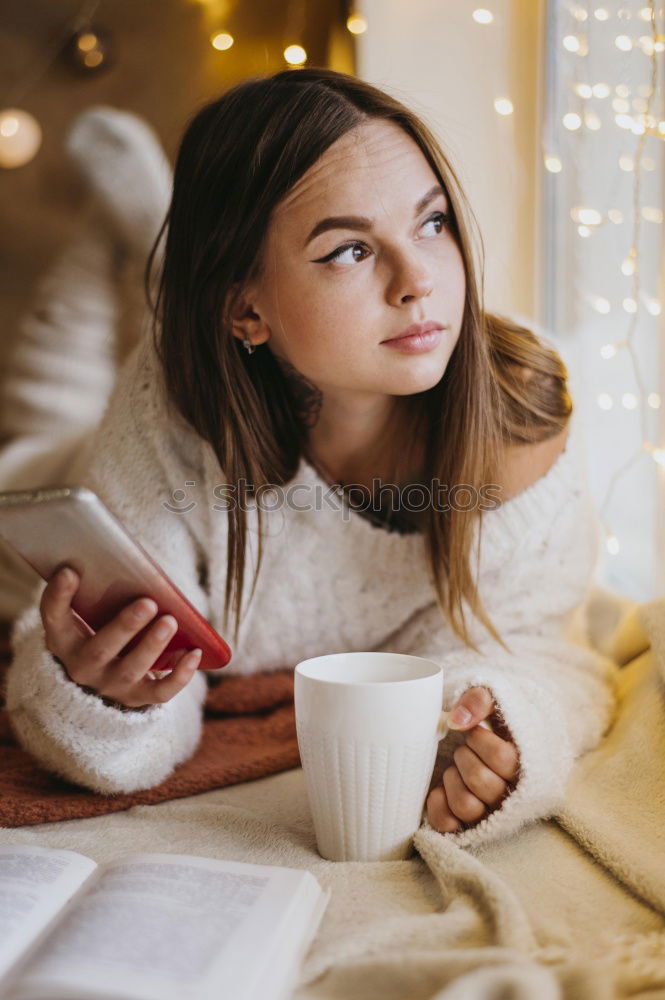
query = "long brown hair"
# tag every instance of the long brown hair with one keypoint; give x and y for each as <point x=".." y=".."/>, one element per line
<point x="239" y="156"/>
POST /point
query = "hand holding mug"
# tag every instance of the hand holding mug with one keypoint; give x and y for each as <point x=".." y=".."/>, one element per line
<point x="484" y="768"/>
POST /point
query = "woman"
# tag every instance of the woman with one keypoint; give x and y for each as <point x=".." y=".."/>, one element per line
<point x="314" y="221"/>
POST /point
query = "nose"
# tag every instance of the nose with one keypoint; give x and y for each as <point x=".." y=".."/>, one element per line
<point x="411" y="278"/>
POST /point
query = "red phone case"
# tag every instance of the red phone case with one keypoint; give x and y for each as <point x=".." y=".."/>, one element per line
<point x="70" y="526"/>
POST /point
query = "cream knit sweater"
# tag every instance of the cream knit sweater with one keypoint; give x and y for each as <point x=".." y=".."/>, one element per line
<point x="331" y="581"/>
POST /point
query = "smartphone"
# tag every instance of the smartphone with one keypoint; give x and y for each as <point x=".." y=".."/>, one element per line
<point x="70" y="526"/>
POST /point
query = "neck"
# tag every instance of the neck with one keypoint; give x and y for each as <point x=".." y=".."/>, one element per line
<point x="356" y="440"/>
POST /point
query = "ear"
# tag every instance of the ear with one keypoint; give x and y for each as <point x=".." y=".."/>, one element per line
<point x="241" y="315"/>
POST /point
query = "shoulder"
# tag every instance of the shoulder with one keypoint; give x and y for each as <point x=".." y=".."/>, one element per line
<point x="524" y="464"/>
<point x="141" y="424"/>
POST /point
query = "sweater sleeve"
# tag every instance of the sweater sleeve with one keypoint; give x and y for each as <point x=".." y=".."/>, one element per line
<point x="553" y="690"/>
<point x="139" y="458"/>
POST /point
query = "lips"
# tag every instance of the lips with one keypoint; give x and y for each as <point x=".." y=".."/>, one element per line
<point x="415" y="329"/>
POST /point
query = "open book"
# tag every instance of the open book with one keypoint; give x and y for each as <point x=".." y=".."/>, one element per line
<point x="151" y="927"/>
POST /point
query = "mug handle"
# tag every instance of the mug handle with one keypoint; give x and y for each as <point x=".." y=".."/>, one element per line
<point x="442" y="728"/>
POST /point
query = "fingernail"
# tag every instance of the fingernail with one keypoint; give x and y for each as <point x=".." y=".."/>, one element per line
<point x="144" y="609"/>
<point x="66" y="577"/>
<point x="459" y="717"/>
<point x="165" y="627"/>
<point x="194" y="657"/>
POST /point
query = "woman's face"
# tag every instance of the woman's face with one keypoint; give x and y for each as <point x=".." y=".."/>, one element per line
<point x="332" y="293"/>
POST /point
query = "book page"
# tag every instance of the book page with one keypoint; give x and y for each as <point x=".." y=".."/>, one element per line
<point x="286" y="949"/>
<point x="35" y="883"/>
<point x="159" y="926"/>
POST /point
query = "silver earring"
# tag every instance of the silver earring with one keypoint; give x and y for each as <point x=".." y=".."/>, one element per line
<point x="249" y="347"/>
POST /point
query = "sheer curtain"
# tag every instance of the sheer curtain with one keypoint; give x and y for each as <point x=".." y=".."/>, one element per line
<point x="602" y="163"/>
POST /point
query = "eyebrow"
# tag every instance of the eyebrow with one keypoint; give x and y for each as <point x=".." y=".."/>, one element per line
<point x="362" y="222"/>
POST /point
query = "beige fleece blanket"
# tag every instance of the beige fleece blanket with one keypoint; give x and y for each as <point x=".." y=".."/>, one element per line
<point x="573" y="908"/>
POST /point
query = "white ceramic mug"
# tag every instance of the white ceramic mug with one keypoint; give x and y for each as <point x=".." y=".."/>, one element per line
<point x="368" y="728"/>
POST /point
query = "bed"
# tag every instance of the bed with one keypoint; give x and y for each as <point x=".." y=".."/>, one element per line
<point x="570" y="907"/>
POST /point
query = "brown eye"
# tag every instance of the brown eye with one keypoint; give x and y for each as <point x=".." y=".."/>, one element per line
<point x="340" y="250"/>
<point x="440" y="217"/>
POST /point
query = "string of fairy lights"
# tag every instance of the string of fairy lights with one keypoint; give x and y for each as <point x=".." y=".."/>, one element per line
<point x="89" y="50"/>
<point x="636" y="118"/>
<point x="638" y="121"/>
<point x="643" y="125"/>
<point x="294" y="52"/>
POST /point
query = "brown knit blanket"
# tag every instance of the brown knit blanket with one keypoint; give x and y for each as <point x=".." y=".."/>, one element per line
<point x="248" y="732"/>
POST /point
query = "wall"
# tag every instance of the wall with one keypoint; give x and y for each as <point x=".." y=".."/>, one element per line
<point x="436" y="58"/>
<point x="164" y="67"/>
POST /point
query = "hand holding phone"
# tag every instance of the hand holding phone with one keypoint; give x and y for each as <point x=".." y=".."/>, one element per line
<point x="92" y="659"/>
<point x="90" y="622"/>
